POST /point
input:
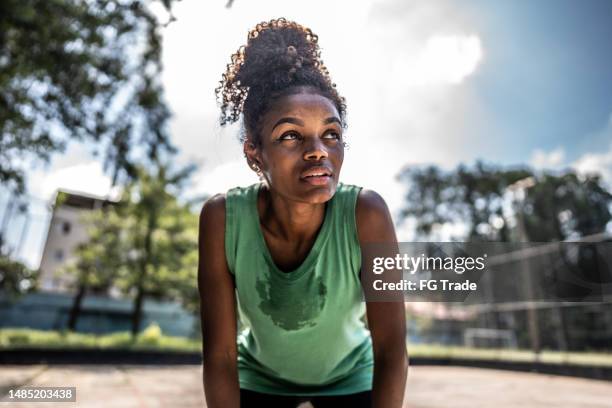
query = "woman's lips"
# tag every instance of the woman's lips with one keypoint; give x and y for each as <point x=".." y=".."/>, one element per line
<point x="317" y="180"/>
<point x="317" y="175"/>
<point x="316" y="171"/>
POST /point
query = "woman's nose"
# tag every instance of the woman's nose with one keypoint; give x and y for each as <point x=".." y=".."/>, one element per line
<point x="315" y="151"/>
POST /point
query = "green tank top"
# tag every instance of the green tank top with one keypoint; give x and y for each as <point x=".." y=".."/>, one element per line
<point x="304" y="330"/>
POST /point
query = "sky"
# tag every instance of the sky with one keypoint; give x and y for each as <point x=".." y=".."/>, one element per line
<point x="426" y="82"/>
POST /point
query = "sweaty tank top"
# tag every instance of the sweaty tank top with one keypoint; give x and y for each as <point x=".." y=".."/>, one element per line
<point x="304" y="330"/>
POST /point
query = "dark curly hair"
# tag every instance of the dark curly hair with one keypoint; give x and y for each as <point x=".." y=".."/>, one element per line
<point x="280" y="58"/>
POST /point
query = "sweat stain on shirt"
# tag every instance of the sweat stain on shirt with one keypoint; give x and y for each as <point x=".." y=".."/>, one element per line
<point x="289" y="308"/>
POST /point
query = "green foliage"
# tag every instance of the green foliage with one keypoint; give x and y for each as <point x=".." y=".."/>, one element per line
<point x="79" y="70"/>
<point x="15" y="278"/>
<point x="565" y="206"/>
<point x="146" y="244"/>
<point x="556" y="207"/>
<point x="151" y="338"/>
<point x="550" y="357"/>
<point x="158" y="236"/>
<point x="151" y="335"/>
<point x="95" y="267"/>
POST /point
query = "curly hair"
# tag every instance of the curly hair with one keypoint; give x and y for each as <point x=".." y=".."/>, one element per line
<point x="280" y="58"/>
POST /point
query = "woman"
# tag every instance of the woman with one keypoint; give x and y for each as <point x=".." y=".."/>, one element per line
<point x="285" y="254"/>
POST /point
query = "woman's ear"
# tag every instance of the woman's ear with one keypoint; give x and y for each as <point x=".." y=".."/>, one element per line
<point x="251" y="152"/>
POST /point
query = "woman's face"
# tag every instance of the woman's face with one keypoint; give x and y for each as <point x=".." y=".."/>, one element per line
<point x="301" y="149"/>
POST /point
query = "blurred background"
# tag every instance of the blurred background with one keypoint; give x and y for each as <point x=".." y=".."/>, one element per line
<point x="479" y="121"/>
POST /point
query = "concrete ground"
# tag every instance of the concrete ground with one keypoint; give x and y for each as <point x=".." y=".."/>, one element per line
<point x="428" y="387"/>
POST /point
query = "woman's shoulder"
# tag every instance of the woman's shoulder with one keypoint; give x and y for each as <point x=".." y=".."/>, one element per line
<point x="236" y="199"/>
<point x="214" y="203"/>
<point x="369" y="201"/>
<point x="213" y="212"/>
<point x="372" y="215"/>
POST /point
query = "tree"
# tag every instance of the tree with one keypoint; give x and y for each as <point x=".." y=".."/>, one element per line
<point x="16" y="278"/>
<point x="97" y="260"/>
<point x="79" y="70"/>
<point x="563" y="206"/>
<point x="556" y="207"/>
<point x="146" y="244"/>
<point x="156" y="234"/>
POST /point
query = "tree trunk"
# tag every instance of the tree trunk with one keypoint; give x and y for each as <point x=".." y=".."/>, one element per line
<point x="137" y="313"/>
<point x="144" y="263"/>
<point x="140" y="292"/>
<point x="75" y="311"/>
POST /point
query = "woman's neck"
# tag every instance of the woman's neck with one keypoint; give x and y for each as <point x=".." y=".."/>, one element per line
<point x="288" y="219"/>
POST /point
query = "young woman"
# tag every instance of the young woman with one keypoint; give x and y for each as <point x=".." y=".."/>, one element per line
<point x="285" y="254"/>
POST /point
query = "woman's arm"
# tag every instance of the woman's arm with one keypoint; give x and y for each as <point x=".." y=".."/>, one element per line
<point x="386" y="320"/>
<point x="217" y="309"/>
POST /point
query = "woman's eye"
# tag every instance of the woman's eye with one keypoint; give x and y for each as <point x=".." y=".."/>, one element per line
<point x="289" y="136"/>
<point x="332" y="135"/>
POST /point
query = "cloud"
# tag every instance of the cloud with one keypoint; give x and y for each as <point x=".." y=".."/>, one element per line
<point x="541" y="159"/>
<point x="599" y="162"/>
<point x="596" y="163"/>
<point x="444" y="59"/>
<point x="86" y="177"/>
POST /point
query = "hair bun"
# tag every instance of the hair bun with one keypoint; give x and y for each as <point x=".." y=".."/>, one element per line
<point x="279" y="54"/>
<point x="290" y="58"/>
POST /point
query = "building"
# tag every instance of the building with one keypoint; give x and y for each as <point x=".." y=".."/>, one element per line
<point x="67" y="230"/>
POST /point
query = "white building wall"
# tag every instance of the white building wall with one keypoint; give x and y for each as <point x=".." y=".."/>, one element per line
<point x="67" y="230"/>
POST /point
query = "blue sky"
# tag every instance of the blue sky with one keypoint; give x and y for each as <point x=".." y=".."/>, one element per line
<point x="547" y="78"/>
<point x="442" y="82"/>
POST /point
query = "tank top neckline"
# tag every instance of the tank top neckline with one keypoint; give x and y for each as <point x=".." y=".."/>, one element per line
<point x="312" y="254"/>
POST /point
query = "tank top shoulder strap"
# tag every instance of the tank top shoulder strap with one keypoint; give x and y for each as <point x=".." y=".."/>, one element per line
<point x="345" y="222"/>
<point x="345" y="202"/>
<point x="237" y="223"/>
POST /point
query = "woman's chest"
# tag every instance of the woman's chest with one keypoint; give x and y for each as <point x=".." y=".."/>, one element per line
<point x="288" y="255"/>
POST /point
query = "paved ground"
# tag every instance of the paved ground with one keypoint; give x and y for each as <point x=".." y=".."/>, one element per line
<point x="428" y="387"/>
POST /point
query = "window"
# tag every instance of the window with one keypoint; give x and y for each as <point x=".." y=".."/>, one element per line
<point x="66" y="227"/>
<point x="58" y="255"/>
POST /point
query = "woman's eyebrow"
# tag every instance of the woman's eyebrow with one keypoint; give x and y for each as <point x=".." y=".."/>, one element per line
<point x="332" y="119"/>
<point x="295" y="121"/>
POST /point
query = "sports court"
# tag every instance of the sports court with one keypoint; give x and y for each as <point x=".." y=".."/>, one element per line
<point x="428" y="387"/>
